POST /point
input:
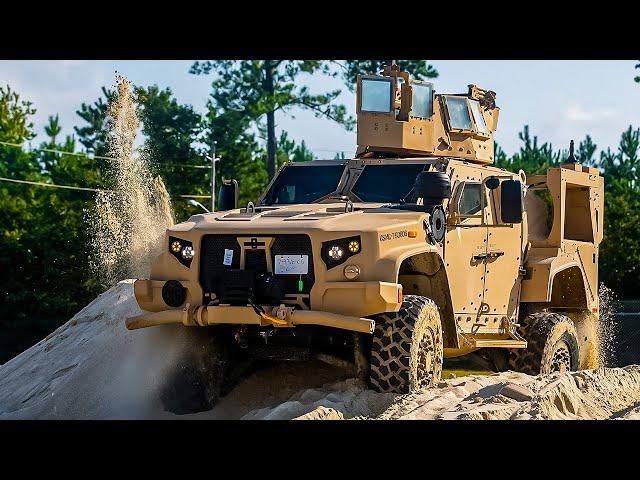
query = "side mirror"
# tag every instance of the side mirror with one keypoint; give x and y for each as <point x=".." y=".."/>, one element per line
<point x="492" y="183"/>
<point x="432" y="187"/>
<point x="511" y="201"/>
<point x="228" y="195"/>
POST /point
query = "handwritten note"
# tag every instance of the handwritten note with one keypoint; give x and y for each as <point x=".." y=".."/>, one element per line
<point x="292" y="264"/>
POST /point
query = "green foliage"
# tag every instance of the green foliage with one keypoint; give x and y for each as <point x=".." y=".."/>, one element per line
<point x="43" y="245"/>
<point x="15" y="126"/>
<point x="242" y="85"/>
<point x="256" y="89"/>
<point x="289" y="151"/>
<point x="620" y="249"/>
<point x="532" y="157"/>
<point x="419" y="69"/>
<point x="94" y="135"/>
<point x="170" y="130"/>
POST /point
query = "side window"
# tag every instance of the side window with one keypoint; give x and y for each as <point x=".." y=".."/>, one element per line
<point x="470" y="200"/>
<point x="459" y="118"/>
<point x="481" y="126"/>
<point x="422" y="100"/>
<point x="376" y="95"/>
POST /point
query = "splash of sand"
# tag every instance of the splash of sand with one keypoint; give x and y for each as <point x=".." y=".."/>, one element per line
<point x="129" y="220"/>
<point x="606" y="331"/>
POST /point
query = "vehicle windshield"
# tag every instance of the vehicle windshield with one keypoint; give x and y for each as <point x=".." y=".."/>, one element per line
<point x="298" y="184"/>
<point x="386" y="183"/>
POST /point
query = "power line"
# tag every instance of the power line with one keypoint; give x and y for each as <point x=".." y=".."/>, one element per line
<point x="40" y="184"/>
<point x="91" y="156"/>
<point x="71" y="187"/>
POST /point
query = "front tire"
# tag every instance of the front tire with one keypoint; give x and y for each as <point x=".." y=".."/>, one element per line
<point x="195" y="383"/>
<point x="552" y="345"/>
<point x="407" y="347"/>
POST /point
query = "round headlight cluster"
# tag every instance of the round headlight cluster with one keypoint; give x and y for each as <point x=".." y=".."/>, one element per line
<point x="335" y="252"/>
<point x="182" y="250"/>
<point x="188" y="252"/>
<point x="354" y="246"/>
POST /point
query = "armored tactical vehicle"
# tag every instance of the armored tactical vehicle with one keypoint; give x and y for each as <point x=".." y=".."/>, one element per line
<point x="417" y="249"/>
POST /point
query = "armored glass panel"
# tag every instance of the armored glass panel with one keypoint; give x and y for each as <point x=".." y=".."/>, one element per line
<point x="376" y="95"/>
<point x="478" y="117"/>
<point x="422" y="98"/>
<point x="386" y="183"/>
<point x="303" y="184"/>
<point x="470" y="202"/>
<point x="458" y="113"/>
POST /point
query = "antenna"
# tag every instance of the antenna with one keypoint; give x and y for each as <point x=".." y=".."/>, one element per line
<point x="572" y="157"/>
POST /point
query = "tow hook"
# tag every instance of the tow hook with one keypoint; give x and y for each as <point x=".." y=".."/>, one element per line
<point x="240" y="337"/>
<point x="266" y="334"/>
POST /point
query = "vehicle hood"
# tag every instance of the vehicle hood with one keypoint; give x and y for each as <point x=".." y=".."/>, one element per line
<point x="326" y="217"/>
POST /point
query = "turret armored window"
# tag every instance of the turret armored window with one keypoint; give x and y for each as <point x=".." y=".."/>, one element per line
<point x="422" y="104"/>
<point x="458" y="113"/>
<point x="376" y="95"/>
<point x="478" y="119"/>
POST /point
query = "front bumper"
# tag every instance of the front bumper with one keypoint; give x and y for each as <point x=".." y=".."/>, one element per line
<point x="228" y="315"/>
<point x="334" y="304"/>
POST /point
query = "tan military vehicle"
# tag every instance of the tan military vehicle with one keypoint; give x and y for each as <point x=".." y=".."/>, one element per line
<point x="414" y="251"/>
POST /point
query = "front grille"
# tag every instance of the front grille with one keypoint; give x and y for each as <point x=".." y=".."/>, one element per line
<point x="212" y="259"/>
<point x="294" y="245"/>
<point x="214" y="273"/>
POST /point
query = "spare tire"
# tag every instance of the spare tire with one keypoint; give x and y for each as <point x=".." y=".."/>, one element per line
<point x="432" y="187"/>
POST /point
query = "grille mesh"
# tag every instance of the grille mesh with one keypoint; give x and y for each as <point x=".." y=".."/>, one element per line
<point x="294" y="245"/>
<point x="212" y="256"/>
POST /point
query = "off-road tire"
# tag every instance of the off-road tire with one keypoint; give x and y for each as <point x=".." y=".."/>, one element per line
<point x="407" y="348"/>
<point x="196" y="382"/>
<point x="552" y="345"/>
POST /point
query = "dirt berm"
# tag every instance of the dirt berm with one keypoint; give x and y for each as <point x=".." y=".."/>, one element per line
<point x="93" y="368"/>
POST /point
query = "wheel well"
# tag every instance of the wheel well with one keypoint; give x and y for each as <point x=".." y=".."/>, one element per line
<point x="424" y="274"/>
<point x="568" y="290"/>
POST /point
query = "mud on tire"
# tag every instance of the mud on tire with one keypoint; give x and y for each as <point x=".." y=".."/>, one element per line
<point x="552" y="345"/>
<point x="407" y="348"/>
<point x="195" y="383"/>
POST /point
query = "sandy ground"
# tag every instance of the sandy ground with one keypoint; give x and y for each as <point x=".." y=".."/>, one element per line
<point x="93" y="368"/>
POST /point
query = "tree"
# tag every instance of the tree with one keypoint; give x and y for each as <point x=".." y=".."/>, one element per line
<point x="94" y="135"/>
<point x="288" y="151"/>
<point x="637" y="78"/>
<point x="532" y="157"/>
<point x="419" y="69"/>
<point x="43" y="244"/>
<point x="171" y="130"/>
<point x="260" y="88"/>
<point x="620" y="249"/>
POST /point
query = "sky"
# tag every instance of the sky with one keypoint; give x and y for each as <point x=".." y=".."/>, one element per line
<point x="559" y="100"/>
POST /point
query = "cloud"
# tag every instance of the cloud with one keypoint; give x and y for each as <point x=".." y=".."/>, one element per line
<point x="577" y="113"/>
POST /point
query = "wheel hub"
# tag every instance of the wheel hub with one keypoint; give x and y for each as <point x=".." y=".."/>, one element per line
<point x="425" y="359"/>
<point x="561" y="360"/>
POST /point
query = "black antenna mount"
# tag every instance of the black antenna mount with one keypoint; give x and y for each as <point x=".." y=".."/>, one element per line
<point x="572" y="157"/>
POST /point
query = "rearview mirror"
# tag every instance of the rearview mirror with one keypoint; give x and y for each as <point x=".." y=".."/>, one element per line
<point x="511" y="202"/>
<point x="228" y="195"/>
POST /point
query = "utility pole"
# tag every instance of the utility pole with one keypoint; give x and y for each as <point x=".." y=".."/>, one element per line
<point x="213" y="175"/>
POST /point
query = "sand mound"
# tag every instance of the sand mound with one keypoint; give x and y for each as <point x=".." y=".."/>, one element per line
<point x="92" y="367"/>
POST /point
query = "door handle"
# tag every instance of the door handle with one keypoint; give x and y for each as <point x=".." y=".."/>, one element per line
<point x="483" y="256"/>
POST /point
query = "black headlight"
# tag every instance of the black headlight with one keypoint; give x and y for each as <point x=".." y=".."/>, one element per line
<point x="173" y="293"/>
<point x="336" y="252"/>
<point x="182" y="249"/>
